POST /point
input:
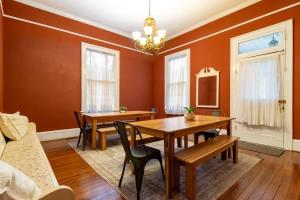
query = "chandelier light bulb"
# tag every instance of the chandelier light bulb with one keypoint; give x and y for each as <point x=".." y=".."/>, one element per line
<point x="148" y="30"/>
<point x="136" y="35"/>
<point x="156" y="40"/>
<point x="143" y="41"/>
<point x="161" y="33"/>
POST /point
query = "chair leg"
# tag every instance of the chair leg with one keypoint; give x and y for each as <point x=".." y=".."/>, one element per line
<point x="120" y="182"/>
<point x="179" y="142"/>
<point x="161" y="167"/>
<point x="79" y="138"/>
<point x="139" y="173"/>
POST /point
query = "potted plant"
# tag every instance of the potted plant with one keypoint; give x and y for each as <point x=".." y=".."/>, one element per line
<point x="189" y="113"/>
<point x="123" y="109"/>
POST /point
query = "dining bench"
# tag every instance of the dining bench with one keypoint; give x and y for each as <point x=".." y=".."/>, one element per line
<point x="193" y="156"/>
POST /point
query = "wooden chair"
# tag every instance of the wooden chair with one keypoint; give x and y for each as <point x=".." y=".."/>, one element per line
<point x="138" y="155"/>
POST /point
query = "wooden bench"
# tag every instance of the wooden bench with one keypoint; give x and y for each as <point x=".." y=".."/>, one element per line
<point x="198" y="154"/>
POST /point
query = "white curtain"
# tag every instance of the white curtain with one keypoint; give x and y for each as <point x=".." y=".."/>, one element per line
<point x="100" y="81"/>
<point x="259" y="89"/>
<point x="176" y="85"/>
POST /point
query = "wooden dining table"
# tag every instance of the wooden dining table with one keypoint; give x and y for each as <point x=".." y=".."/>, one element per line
<point x="105" y="117"/>
<point x="175" y="127"/>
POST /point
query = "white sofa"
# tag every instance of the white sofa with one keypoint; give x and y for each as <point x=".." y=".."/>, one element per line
<point x="28" y="156"/>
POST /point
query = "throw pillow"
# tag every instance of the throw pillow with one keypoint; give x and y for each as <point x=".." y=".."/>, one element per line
<point x="13" y="126"/>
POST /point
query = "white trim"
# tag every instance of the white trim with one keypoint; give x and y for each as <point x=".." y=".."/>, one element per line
<point x="287" y="27"/>
<point x="89" y="22"/>
<point x="203" y="74"/>
<point x="73" y="17"/>
<point x="85" y="46"/>
<point x="230" y="28"/>
<point x="70" y="32"/>
<point x="214" y="18"/>
<point x="296" y="145"/>
<point x="186" y="52"/>
<point x="58" y="134"/>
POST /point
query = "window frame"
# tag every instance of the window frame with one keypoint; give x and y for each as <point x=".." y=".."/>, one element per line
<point x="187" y="53"/>
<point x="116" y="53"/>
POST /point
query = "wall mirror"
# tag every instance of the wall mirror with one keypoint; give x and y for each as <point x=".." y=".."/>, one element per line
<point x="207" y="88"/>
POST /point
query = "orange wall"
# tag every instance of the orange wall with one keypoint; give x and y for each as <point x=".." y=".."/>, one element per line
<point x="42" y="68"/>
<point x="1" y="61"/>
<point x="215" y="52"/>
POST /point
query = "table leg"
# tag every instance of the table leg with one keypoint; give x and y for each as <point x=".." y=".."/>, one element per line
<point x="152" y="116"/>
<point x="94" y="133"/>
<point x="186" y="141"/>
<point x="169" y="159"/>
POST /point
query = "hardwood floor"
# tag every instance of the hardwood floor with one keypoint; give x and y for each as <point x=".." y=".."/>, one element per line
<point x="273" y="178"/>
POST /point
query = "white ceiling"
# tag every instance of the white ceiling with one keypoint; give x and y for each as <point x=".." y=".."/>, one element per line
<point x="123" y="17"/>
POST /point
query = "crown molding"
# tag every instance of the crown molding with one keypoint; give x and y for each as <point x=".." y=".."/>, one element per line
<point x="73" y="17"/>
<point x="213" y="18"/>
<point x="85" y="21"/>
<point x="230" y="28"/>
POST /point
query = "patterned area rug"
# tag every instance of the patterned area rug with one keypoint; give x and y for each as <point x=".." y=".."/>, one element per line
<point x="213" y="178"/>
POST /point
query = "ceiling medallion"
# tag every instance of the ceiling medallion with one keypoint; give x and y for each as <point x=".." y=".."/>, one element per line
<point x="152" y="39"/>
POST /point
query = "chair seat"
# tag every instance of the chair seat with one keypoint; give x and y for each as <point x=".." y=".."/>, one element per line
<point x="139" y="151"/>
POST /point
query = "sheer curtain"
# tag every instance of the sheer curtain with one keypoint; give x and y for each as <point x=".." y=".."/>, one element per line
<point x="176" y="85"/>
<point x="259" y="89"/>
<point x="100" y="81"/>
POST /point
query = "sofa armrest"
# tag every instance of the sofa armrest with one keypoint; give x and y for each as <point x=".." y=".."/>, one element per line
<point x="60" y="192"/>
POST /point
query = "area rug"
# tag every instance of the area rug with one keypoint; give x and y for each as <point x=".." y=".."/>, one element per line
<point x="213" y="178"/>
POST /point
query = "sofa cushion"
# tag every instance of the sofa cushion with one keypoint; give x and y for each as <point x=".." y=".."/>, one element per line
<point x="16" y="185"/>
<point x="28" y="156"/>
<point x="2" y="144"/>
<point x="13" y="126"/>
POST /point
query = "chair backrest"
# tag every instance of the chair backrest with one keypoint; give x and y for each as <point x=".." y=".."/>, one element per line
<point x="80" y="123"/>
<point x="121" y="129"/>
<point x="216" y="113"/>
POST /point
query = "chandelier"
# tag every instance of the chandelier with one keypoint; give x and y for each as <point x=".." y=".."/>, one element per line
<point x="152" y="39"/>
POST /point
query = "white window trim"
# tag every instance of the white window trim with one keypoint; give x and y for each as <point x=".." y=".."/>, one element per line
<point x="186" y="52"/>
<point x="85" y="46"/>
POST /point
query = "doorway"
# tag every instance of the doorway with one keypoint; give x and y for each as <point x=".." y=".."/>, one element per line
<point x="261" y="86"/>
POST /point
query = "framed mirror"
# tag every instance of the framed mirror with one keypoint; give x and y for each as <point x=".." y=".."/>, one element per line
<point x="207" y="88"/>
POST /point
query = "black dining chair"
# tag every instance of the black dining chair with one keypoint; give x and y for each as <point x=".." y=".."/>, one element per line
<point x="138" y="155"/>
<point x="85" y="129"/>
<point x="210" y="133"/>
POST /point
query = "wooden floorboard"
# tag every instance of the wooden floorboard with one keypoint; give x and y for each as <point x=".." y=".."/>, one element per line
<point x="272" y="178"/>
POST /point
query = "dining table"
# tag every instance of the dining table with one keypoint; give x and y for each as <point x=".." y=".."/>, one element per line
<point x="105" y="117"/>
<point x="176" y="127"/>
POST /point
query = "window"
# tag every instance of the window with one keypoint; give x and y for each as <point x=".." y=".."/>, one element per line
<point x="100" y="79"/>
<point x="265" y="42"/>
<point x="177" y="82"/>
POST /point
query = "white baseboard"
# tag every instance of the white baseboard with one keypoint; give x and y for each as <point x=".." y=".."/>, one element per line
<point x="296" y="145"/>
<point x="58" y="134"/>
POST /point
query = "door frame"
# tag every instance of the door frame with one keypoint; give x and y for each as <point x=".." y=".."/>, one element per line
<point x="288" y="75"/>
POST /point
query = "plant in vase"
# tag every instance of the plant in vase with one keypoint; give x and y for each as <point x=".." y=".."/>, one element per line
<point x="123" y="109"/>
<point x="189" y="113"/>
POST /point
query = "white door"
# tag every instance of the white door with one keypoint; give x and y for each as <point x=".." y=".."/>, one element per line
<point x="261" y="86"/>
